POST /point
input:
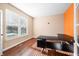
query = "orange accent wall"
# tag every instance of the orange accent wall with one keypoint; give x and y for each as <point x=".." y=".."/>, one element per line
<point x="69" y="21"/>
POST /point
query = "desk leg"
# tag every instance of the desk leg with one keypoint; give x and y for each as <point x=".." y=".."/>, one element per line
<point x="43" y="50"/>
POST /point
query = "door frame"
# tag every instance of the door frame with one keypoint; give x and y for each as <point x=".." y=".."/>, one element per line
<point x="1" y="38"/>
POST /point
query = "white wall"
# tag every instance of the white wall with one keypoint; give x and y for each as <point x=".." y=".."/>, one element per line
<point x="41" y="26"/>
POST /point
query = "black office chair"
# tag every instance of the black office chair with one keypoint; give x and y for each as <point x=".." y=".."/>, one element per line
<point x="41" y="43"/>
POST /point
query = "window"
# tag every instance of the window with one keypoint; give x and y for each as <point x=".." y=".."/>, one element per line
<point x="16" y="25"/>
<point x="23" y="25"/>
<point x="12" y="23"/>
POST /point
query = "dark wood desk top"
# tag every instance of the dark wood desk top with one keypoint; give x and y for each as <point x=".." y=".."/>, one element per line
<point x="54" y="41"/>
<point x="48" y="37"/>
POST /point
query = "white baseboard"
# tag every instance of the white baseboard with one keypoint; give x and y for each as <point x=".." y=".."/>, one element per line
<point x="15" y="44"/>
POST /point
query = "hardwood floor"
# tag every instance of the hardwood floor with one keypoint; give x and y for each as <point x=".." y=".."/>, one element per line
<point x="29" y="48"/>
<point x="24" y="49"/>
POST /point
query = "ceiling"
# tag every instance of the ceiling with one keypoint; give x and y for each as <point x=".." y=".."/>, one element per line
<point x="42" y="9"/>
